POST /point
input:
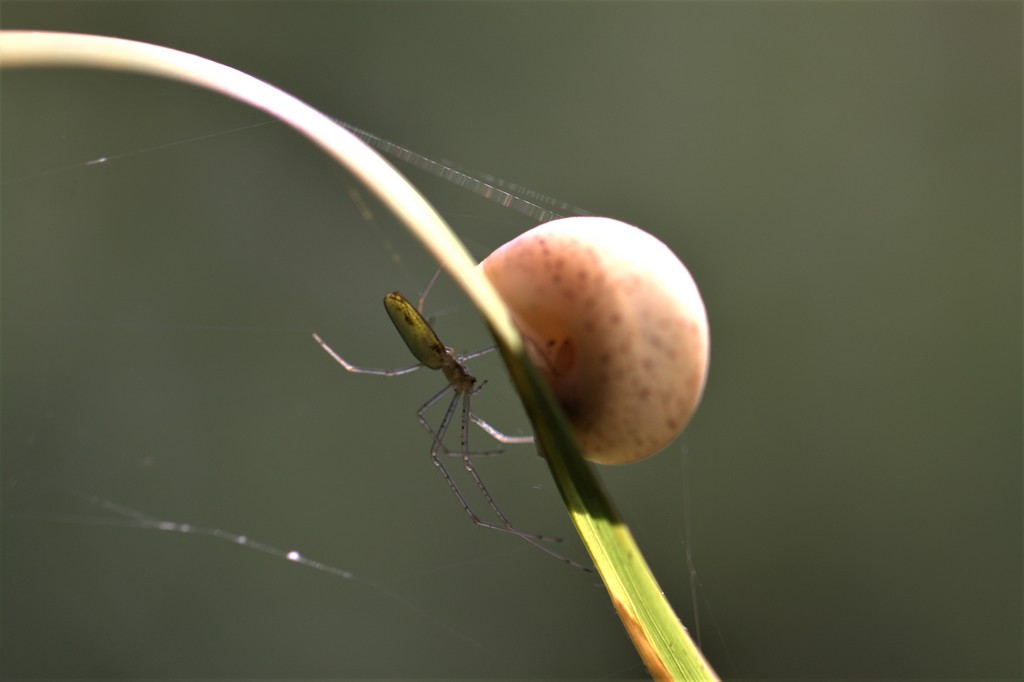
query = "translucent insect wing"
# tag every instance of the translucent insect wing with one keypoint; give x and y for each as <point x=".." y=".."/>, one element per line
<point x="417" y="333"/>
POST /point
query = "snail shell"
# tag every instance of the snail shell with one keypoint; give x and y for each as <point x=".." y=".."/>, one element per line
<point x="614" y="321"/>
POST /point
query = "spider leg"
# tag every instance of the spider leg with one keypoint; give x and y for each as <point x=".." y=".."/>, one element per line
<point x="363" y="370"/>
<point x="496" y="434"/>
<point x="430" y="285"/>
<point x="438" y="435"/>
<point x="506" y="527"/>
<point x="468" y="464"/>
<point x="437" y="446"/>
<point x="471" y="356"/>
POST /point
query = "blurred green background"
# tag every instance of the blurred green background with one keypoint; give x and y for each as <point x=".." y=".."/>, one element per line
<point x="842" y="179"/>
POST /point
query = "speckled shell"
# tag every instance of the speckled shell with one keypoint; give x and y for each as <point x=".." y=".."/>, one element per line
<point x="615" y="323"/>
